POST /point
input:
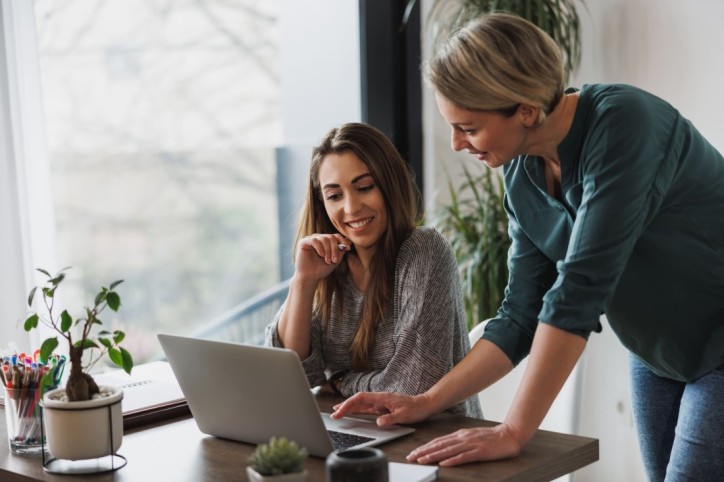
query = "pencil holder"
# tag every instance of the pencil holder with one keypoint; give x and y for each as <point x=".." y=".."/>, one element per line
<point x="366" y="464"/>
<point x="22" y="414"/>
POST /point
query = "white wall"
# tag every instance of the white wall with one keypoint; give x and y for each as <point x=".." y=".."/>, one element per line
<point x="671" y="48"/>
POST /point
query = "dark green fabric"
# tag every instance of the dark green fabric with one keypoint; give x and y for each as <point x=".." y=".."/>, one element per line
<point x="639" y="236"/>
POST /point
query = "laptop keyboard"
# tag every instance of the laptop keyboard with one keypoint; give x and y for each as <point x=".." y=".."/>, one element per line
<point x="341" y="440"/>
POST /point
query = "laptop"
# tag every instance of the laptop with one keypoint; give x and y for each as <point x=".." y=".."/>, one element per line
<point x="251" y="393"/>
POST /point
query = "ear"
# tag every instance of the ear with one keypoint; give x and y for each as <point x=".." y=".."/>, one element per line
<point x="528" y="114"/>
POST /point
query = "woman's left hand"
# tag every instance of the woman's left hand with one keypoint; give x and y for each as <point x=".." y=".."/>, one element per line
<point x="468" y="445"/>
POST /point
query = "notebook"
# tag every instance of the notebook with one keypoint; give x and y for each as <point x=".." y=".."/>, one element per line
<point x="150" y="394"/>
<point x="251" y="393"/>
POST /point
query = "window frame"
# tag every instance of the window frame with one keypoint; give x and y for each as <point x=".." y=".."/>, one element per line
<point x="391" y="85"/>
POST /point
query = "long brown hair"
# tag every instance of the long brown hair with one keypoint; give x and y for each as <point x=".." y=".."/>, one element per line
<point x="393" y="178"/>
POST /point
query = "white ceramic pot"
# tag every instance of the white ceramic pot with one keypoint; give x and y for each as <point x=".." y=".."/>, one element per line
<point x="255" y="476"/>
<point x="82" y="430"/>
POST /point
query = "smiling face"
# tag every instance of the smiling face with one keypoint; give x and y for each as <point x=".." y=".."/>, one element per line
<point x="353" y="200"/>
<point x="490" y="136"/>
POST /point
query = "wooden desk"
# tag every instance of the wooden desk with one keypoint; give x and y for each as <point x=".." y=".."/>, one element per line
<point x="176" y="451"/>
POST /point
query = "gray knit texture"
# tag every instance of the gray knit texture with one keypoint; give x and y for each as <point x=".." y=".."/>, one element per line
<point x="420" y="339"/>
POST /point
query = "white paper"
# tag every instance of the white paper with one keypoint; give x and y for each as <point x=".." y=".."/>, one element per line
<point x="399" y="472"/>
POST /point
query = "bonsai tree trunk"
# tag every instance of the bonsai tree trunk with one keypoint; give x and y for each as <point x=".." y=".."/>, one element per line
<point x="80" y="386"/>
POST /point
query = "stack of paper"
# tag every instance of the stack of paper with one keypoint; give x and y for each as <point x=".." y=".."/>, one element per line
<point x="412" y="472"/>
<point x="150" y="394"/>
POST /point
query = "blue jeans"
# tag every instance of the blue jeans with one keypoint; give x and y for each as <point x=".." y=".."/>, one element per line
<point x="680" y="426"/>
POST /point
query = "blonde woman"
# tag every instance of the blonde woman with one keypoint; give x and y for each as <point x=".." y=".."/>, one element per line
<point x="616" y="206"/>
<point x="375" y="303"/>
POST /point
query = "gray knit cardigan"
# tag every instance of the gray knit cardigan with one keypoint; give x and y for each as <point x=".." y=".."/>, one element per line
<point x="420" y="339"/>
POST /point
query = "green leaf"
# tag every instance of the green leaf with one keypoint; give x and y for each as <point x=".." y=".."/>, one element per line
<point x="31" y="322"/>
<point x="118" y="336"/>
<point x="88" y="343"/>
<point x="106" y="342"/>
<point x="113" y="300"/>
<point x="114" y="284"/>
<point x="47" y="382"/>
<point x="48" y="347"/>
<point x="115" y="356"/>
<point x="100" y="297"/>
<point x="56" y="281"/>
<point x="127" y="361"/>
<point x="66" y="321"/>
<point x="31" y="296"/>
<point x="44" y="272"/>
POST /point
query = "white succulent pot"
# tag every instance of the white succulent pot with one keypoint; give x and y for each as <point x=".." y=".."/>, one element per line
<point x="83" y="430"/>
<point x="255" y="476"/>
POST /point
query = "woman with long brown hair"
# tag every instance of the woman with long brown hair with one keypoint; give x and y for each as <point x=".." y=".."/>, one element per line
<point x="375" y="302"/>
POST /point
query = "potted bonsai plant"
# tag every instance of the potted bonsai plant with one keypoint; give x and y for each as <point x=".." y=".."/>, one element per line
<point x="280" y="460"/>
<point x="82" y="420"/>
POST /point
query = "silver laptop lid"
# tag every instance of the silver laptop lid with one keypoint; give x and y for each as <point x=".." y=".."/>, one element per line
<point x="247" y="392"/>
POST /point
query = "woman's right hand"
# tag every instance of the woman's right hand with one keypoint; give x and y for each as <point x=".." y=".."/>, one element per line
<point x="319" y="254"/>
<point x="392" y="408"/>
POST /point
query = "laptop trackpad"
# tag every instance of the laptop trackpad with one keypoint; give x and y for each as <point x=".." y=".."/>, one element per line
<point x="365" y="428"/>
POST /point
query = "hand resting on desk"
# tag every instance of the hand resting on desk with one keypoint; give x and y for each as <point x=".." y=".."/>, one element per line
<point x="460" y="447"/>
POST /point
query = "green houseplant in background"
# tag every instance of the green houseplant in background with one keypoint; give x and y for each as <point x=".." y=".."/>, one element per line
<point x="280" y="460"/>
<point x="476" y="225"/>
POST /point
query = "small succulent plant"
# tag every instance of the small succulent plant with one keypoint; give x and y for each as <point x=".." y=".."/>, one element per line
<point x="279" y="456"/>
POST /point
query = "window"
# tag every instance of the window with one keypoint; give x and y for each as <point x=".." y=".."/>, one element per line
<point x="164" y="123"/>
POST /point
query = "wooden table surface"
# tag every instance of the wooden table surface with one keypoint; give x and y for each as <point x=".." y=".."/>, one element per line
<point x="177" y="451"/>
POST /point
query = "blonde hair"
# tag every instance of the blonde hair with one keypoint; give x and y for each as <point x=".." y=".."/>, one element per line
<point x="497" y="62"/>
<point x="394" y="179"/>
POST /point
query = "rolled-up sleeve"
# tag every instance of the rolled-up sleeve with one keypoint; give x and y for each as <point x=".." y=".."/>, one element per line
<point x="531" y="274"/>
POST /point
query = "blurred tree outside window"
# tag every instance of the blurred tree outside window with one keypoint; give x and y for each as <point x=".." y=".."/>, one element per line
<point x="162" y="118"/>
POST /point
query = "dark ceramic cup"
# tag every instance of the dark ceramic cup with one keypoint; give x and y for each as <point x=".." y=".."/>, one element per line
<point x="357" y="465"/>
